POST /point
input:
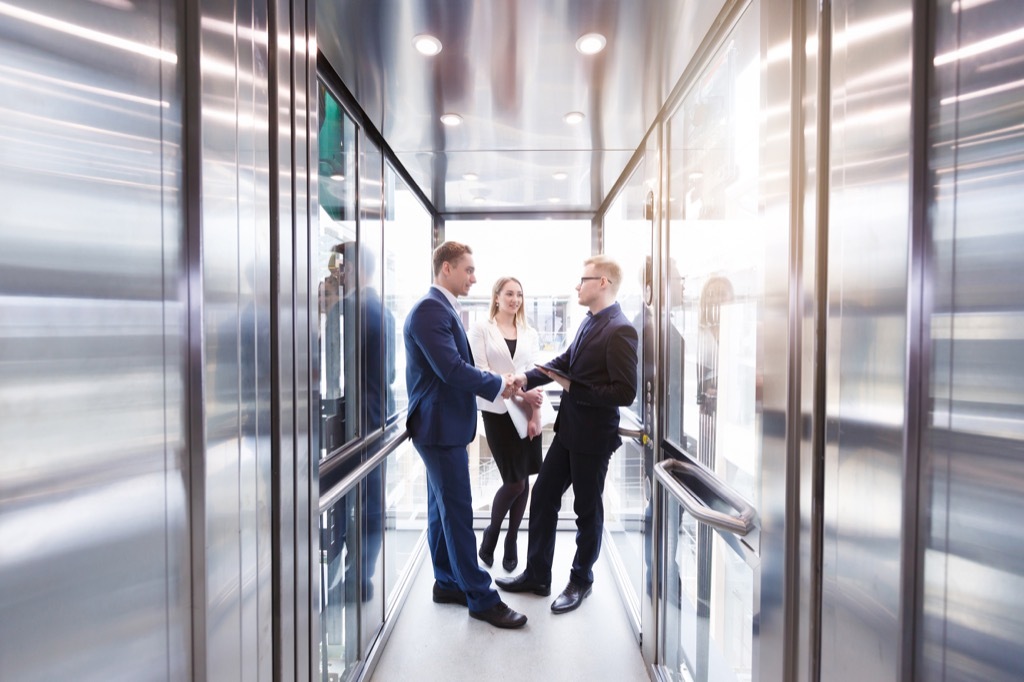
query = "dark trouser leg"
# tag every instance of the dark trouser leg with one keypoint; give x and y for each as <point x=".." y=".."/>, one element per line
<point x="588" y="474"/>
<point x="450" y="525"/>
<point x="552" y="482"/>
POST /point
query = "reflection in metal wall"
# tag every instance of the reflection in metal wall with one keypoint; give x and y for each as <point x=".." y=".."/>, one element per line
<point x="138" y="279"/>
<point x="971" y="618"/>
<point x="94" y="580"/>
<point x="866" y="328"/>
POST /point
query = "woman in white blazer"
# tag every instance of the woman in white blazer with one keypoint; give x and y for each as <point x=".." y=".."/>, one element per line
<point x="504" y="343"/>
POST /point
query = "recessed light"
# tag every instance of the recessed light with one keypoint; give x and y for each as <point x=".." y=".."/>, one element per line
<point x="470" y="176"/>
<point x="591" y="43"/>
<point x="554" y="200"/>
<point x="573" y="117"/>
<point x="451" y="119"/>
<point x="337" y="176"/>
<point x="559" y="175"/>
<point x="478" y="200"/>
<point x="427" y="44"/>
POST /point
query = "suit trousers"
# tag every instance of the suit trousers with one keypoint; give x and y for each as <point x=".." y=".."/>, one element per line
<point x="450" y="533"/>
<point x="585" y="472"/>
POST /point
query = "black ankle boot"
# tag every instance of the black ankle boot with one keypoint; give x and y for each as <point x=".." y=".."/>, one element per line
<point x="487" y="545"/>
<point x="511" y="559"/>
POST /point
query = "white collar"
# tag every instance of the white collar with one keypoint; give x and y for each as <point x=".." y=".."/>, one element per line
<point x="450" y="296"/>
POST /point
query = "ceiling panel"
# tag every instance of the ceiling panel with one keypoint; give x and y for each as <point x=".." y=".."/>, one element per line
<point x="511" y="70"/>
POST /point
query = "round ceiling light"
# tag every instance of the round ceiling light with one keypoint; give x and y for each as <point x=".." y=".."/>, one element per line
<point x="573" y="117"/>
<point x="560" y="175"/>
<point x="427" y="44"/>
<point x="470" y="176"/>
<point x="591" y="43"/>
<point x="451" y="119"/>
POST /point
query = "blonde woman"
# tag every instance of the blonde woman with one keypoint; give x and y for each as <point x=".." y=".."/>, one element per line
<point x="504" y="344"/>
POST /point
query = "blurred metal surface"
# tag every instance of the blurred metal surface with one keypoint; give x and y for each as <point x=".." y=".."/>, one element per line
<point x="511" y="70"/>
<point x="971" y="613"/>
<point x="869" y="168"/>
<point x="94" y="573"/>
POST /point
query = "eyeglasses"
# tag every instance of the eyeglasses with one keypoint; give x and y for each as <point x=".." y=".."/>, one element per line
<point x="584" y="279"/>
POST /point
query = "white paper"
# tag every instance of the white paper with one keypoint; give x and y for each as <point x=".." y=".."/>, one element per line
<point x="519" y="417"/>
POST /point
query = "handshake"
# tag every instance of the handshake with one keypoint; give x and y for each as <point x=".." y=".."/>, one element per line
<point x="513" y="384"/>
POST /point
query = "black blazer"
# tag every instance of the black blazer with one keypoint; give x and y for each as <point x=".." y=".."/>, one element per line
<point x="603" y="371"/>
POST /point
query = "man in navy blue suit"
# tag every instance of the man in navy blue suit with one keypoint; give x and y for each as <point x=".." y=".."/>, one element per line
<point x="443" y="384"/>
<point x="597" y="374"/>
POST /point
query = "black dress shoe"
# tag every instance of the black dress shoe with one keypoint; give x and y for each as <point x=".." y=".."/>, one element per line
<point x="572" y="596"/>
<point x="446" y="596"/>
<point x="523" y="583"/>
<point x="500" y="616"/>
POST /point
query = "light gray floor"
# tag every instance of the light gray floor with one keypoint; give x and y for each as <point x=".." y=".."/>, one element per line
<point x="441" y="642"/>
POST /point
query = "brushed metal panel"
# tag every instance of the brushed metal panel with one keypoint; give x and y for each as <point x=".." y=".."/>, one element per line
<point x="512" y="71"/>
<point x="970" y="618"/>
<point x="93" y="513"/>
<point x="866" y="328"/>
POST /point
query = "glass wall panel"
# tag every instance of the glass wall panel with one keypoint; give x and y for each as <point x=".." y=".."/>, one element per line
<point x="628" y="239"/>
<point x="708" y="620"/>
<point x="549" y="276"/>
<point x="339" y="596"/>
<point x="716" y="251"/>
<point x="406" y="513"/>
<point x="335" y="268"/>
<point x="408" y="228"/>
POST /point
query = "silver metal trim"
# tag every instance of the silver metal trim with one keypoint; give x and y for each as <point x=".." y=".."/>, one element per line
<point x="346" y="485"/>
<point x="741" y="524"/>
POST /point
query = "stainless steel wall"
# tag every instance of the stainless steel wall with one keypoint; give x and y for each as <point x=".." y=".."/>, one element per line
<point x="94" y="526"/>
<point x="868" y="233"/>
<point x="971" y="613"/>
<point x="155" y="484"/>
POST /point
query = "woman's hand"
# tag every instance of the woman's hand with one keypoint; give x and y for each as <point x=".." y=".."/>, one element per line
<point x="534" y="398"/>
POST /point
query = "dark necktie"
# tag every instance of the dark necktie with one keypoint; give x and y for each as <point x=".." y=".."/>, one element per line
<point x="581" y="334"/>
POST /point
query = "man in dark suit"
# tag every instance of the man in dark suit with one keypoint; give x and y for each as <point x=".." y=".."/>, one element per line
<point x="597" y="374"/>
<point x="443" y="384"/>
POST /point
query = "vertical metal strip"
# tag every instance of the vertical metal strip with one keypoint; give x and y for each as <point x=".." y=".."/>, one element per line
<point x="196" y="419"/>
<point x="918" y="358"/>
<point x="818" y="418"/>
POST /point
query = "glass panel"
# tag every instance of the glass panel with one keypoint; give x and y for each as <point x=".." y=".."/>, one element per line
<point x="406" y="498"/>
<point x="339" y="598"/>
<point x="336" y="273"/>
<point x="716" y="274"/>
<point x="549" y="276"/>
<point x="408" y="228"/>
<point x="628" y="238"/>
<point x="708" y="621"/>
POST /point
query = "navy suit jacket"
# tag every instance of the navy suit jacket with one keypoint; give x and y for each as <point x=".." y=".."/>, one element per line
<point x="442" y="380"/>
<point x="603" y="369"/>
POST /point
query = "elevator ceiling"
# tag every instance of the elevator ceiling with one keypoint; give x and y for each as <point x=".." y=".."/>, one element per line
<point x="511" y="70"/>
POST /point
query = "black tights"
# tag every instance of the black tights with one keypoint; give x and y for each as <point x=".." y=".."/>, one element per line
<point x="510" y="499"/>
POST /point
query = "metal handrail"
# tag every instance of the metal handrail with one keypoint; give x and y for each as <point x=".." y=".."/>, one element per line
<point x="739" y="524"/>
<point x="345" y="486"/>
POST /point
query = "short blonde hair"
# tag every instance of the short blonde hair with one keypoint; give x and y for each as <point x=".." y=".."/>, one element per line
<point x="603" y="265"/>
<point x="496" y="290"/>
<point x="449" y="252"/>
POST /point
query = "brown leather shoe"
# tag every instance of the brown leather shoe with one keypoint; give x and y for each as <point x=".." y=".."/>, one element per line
<point x="523" y="583"/>
<point x="571" y="598"/>
<point x="500" y="616"/>
<point x="445" y="596"/>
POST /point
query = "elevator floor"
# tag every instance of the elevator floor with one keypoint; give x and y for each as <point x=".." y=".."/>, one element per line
<point x="441" y="642"/>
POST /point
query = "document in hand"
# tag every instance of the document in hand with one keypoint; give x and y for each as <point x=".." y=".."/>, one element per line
<point x="519" y="416"/>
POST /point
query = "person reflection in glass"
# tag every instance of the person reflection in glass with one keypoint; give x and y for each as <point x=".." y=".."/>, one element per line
<point x="343" y="542"/>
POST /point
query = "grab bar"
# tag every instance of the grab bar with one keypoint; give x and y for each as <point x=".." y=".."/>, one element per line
<point x="739" y="523"/>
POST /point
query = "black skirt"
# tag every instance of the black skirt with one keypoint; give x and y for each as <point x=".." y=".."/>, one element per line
<point x="515" y="457"/>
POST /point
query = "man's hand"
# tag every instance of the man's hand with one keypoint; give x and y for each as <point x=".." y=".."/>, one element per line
<point x="511" y="388"/>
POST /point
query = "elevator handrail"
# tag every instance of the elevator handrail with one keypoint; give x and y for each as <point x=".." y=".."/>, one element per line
<point x="739" y="524"/>
<point x="345" y="485"/>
